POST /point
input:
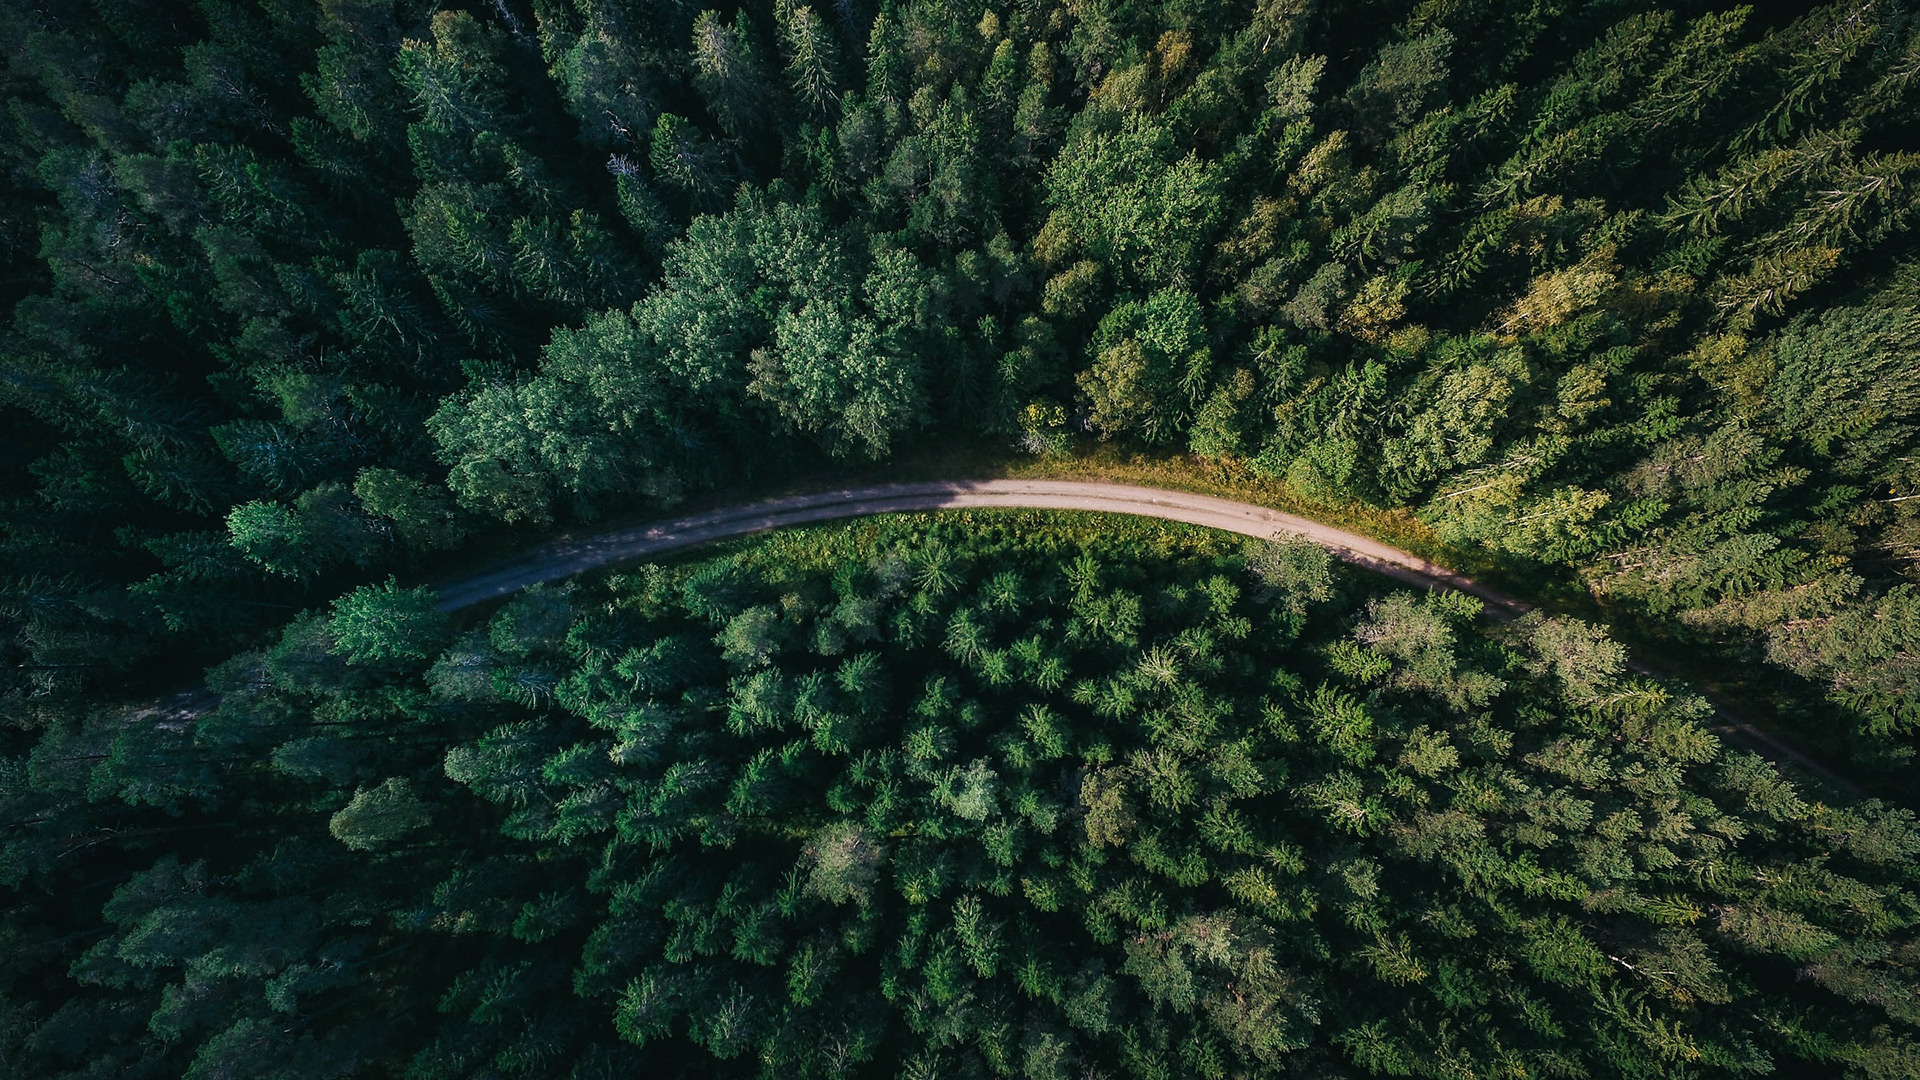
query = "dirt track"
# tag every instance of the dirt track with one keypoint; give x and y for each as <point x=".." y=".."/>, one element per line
<point x="564" y="558"/>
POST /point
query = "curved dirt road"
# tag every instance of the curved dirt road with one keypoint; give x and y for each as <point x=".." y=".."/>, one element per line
<point x="564" y="558"/>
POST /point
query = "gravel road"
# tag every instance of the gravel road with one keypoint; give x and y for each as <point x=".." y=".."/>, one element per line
<point x="566" y="557"/>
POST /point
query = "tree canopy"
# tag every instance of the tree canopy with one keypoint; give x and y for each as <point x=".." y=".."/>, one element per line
<point x="300" y="303"/>
<point x="1614" y="294"/>
<point x="1004" y="794"/>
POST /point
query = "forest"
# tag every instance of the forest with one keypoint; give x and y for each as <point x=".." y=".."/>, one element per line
<point x="303" y="301"/>
<point x="993" y="794"/>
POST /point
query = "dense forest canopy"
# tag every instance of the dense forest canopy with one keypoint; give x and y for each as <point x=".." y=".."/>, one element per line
<point x="995" y="794"/>
<point x="300" y="292"/>
<point x="302" y="295"/>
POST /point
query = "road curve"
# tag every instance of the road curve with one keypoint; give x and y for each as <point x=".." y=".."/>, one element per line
<point x="565" y="558"/>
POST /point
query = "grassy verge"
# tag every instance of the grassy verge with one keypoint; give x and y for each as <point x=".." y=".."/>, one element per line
<point x="981" y="532"/>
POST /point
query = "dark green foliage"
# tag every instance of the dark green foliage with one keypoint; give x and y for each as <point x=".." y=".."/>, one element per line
<point x="297" y="294"/>
<point x="1615" y="289"/>
<point x="375" y="623"/>
<point x="1012" y="794"/>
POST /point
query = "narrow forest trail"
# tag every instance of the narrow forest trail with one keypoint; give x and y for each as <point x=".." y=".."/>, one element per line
<point x="566" y="557"/>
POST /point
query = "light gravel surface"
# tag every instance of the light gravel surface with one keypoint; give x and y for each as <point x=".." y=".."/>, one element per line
<point x="565" y="558"/>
